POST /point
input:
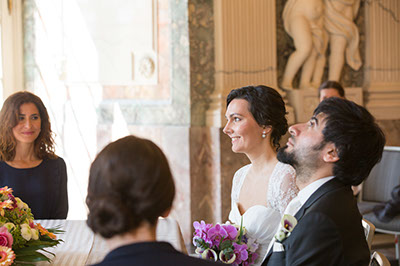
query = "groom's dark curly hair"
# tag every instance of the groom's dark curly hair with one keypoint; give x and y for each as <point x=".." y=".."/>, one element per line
<point x="267" y="107"/>
<point x="358" y="139"/>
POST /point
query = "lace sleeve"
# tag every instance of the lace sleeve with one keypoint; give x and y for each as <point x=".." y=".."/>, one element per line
<point x="237" y="182"/>
<point x="282" y="188"/>
<point x="288" y="188"/>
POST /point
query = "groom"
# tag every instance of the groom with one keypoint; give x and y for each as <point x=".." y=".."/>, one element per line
<point x="337" y="148"/>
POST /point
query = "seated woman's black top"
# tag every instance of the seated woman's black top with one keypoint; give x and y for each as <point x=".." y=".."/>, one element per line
<point x="43" y="188"/>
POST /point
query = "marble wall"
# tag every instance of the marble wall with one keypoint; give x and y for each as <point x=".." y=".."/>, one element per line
<point x="203" y="49"/>
<point x="200" y="156"/>
<point x="382" y="70"/>
<point x="202" y="68"/>
<point x="391" y="128"/>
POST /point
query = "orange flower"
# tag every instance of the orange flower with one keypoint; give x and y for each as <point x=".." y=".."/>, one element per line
<point x="43" y="231"/>
<point x="5" y="204"/>
<point x="7" y="256"/>
<point x="5" y="190"/>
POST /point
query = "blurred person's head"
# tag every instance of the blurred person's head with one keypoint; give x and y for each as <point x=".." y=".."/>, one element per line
<point x="130" y="186"/>
<point x="24" y="120"/>
<point x="255" y="115"/>
<point x="329" y="89"/>
<point x="341" y="139"/>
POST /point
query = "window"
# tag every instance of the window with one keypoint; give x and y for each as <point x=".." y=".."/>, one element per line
<point x="11" y="51"/>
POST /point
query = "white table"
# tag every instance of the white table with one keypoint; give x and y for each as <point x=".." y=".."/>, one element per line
<point x="82" y="247"/>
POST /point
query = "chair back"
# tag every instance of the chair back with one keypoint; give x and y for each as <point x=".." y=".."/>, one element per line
<point x="378" y="259"/>
<point x="369" y="230"/>
<point x="383" y="177"/>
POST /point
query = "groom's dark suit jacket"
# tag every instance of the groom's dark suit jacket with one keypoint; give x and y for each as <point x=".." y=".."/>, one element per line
<point x="329" y="231"/>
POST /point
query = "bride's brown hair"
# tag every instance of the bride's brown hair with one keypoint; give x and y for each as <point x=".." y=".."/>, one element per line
<point x="267" y="107"/>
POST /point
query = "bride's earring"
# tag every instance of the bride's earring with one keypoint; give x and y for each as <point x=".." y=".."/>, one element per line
<point x="264" y="135"/>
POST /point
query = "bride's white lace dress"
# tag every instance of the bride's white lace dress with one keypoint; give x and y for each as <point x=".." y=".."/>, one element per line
<point x="261" y="222"/>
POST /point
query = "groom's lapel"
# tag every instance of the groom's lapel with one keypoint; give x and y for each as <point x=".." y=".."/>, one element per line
<point x="325" y="188"/>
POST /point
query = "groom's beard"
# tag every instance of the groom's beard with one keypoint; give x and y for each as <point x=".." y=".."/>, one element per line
<point x="304" y="161"/>
<point x="286" y="157"/>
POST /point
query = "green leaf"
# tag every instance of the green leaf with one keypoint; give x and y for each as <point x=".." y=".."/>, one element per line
<point x="226" y="244"/>
<point x="48" y="252"/>
<point x="201" y="243"/>
<point x="27" y="250"/>
<point x="19" y="263"/>
<point x="32" y="258"/>
<point x="241" y="230"/>
<point x="228" y="251"/>
<point x="56" y="230"/>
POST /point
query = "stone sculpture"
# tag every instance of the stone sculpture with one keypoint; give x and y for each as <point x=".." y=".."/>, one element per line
<point x="304" y="22"/>
<point x="343" y="35"/>
<point x="311" y="23"/>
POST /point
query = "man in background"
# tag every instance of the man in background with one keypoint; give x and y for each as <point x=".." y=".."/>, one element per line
<point x="330" y="89"/>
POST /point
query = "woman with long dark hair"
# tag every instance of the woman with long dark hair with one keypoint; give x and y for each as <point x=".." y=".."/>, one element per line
<point x="28" y="163"/>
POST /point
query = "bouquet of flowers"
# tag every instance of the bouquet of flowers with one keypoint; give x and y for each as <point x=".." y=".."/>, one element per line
<point x="20" y="237"/>
<point x="227" y="243"/>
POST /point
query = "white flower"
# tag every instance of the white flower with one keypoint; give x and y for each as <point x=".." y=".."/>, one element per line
<point x="198" y="251"/>
<point x="252" y="245"/>
<point x="9" y="226"/>
<point x="287" y="225"/>
<point x="223" y="259"/>
<point x="20" y="203"/>
<point x="288" y="222"/>
<point x="280" y="235"/>
<point x="209" y="254"/>
<point x="26" y="232"/>
<point x="35" y="234"/>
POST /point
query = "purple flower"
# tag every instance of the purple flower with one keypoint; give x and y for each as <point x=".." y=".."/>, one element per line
<point x="241" y="252"/>
<point x="201" y="227"/>
<point x="231" y="230"/>
<point x="216" y="234"/>
<point x="244" y="239"/>
<point x="220" y="242"/>
<point x="252" y="245"/>
<point x="252" y="259"/>
<point x="200" y="232"/>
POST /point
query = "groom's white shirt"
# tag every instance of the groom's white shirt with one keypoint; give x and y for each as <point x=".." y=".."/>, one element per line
<point x="303" y="196"/>
<point x="306" y="192"/>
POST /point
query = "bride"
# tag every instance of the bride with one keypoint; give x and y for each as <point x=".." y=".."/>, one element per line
<point x="260" y="190"/>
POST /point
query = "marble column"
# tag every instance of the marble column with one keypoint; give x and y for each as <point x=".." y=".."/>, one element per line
<point x="245" y="50"/>
<point x="382" y="69"/>
<point x="382" y="66"/>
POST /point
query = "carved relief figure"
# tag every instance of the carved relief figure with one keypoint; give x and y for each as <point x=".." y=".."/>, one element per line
<point x="343" y="35"/>
<point x="304" y="22"/>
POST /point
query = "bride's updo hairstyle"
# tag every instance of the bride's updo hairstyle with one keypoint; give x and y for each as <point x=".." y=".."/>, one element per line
<point x="267" y="107"/>
<point x="130" y="183"/>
